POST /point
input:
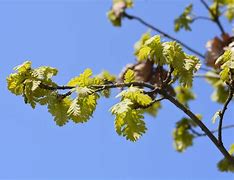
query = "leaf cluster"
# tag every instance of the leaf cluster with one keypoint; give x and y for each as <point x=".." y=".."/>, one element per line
<point x="36" y="86"/>
<point x="184" y="20"/>
<point x="182" y="136"/>
<point x="115" y="14"/>
<point x="224" y="165"/>
<point x="169" y="54"/>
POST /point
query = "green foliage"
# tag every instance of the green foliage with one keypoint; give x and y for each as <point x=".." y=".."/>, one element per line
<point x="151" y="49"/>
<point x="141" y="42"/>
<point x="58" y="107"/>
<point x="36" y="86"/>
<point x="226" y="61"/>
<point x="129" y="76"/>
<point x="226" y="6"/>
<point x="225" y="165"/>
<point x="79" y="102"/>
<point x="128" y="121"/>
<point x="227" y="65"/>
<point x="230" y="11"/>
<point x="26" y="82"/>
<point x="216" y="115"/>
<point x="86" y="103"/>
<point x="184" y="95"/>
<point x="170" y="54"/>
<point x="117" y="10"/>
<point x="220" y="93"/>
<point x="184" y="65"/>
<point x="136" y="95"/>
<point x="184" y="20"/>
<point x="82" y="80"/>
<point x="183" y="138"/>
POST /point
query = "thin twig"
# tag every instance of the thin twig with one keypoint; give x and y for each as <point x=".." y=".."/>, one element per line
<point x="168" y="78"/>
<point x="151" y="103"/>
<point x="131" y="17"/>
<point x="205" y="69"/>
<point x="201" y="17"/>
<point x="221" y="114"/>
<point x="198" y="134"/>
<point x="215" y="15"/>
<point x="206" y="76"/>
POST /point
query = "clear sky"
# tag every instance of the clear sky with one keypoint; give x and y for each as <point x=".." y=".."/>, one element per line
<point x="72" y="35"/>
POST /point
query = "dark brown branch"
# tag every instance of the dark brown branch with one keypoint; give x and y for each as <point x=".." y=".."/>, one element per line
<point x="131" y="17"/>
<point x="116" y="85"/>
<point x="200" y="124"/>
<point x="54" y="88"/>
<point x="101" y="87"/>
<point x="221" y="114"/>
<point x="215" y="15"/>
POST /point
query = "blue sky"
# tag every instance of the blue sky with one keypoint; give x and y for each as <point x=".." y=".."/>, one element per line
<point x="72" y="35"/>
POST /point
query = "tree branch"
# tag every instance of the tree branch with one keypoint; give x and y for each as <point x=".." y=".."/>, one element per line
<point x="151" y="104"/>
<point x="101" y="87"/>
<point x="165" y="95"/>
<point x="230" y="95"/>
<point x="206" y="76"/>
<point x="200" y="124"/>
<point x="131" y="17"/>
<point x="214" y="15"/>
<point x="213" y="131"/>
<point x="201" y="17"/>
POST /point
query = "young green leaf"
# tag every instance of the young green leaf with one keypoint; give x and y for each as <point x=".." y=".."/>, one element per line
<point x="129" y="76"/>
<point x="216" y="115"/>
<point x="184" y="20"/>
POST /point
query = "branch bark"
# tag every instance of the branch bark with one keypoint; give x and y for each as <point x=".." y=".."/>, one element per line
<point x="200" y="124"/>
<point x="230" y="95"/>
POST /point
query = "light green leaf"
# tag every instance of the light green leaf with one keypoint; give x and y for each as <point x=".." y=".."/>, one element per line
<point x="58" y="108"/>
<point x="143" y="53"/>
<point x="87" y="105"/>
<point x="184" y="20"/>
<point x="74" y="108"/>
<point x="129" y="76"/>
<point x="184" y="95"/>
<point x="130" y="125"/>
<point x="121" y="107"/>
<point x="23" y="67"/>
<point x="216" y="115"/>
<point x="181" y="135"/>
<point x="136" y="95"/>
<point x="231" y="150"/>
<point x="83" y="80"/>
